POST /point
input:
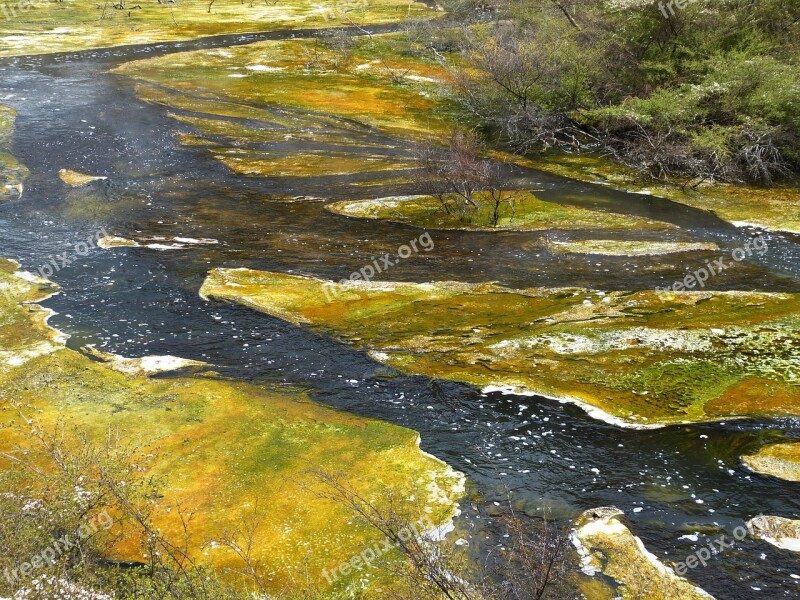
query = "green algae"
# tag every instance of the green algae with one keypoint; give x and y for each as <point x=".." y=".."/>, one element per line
<point x="523" y="211"/>
<point x="251" y="106"/>
<point x="777" y="460"/>
<point x="627" y="247"/>
<point x="221" y="447"/>
<point x="632" y="358"/>
<point x="12" y="173"/>
<point x="299" y="164"/>
<point x="298" y="74"/>
<point x="776" y="208"/>
<point x="46" y="27"/>
<point x="609" y="549"/>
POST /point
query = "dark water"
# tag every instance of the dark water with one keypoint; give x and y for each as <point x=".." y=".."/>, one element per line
<point x="136" y="301"/>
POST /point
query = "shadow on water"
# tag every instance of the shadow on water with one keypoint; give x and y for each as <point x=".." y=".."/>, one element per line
<point x="135" y="301"/>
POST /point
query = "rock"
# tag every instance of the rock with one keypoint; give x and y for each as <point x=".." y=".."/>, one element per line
<point x="113" y="241"/>
<point x="780" y="532"/>
<point x="697" y="357"/>
<point x="147" y="365"/>
<point x="217" y="445"/>
<point x="75" y="179"/>
<point x="608" y="548"/>
<point x="777" y="460"/>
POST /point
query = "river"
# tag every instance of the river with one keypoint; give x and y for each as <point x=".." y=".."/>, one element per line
<point x="137" y="301"/>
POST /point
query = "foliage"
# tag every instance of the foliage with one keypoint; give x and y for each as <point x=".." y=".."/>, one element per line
<point x="462" y="180"/>
<point x="704" y="92"/>
<point x="73" y="502"/>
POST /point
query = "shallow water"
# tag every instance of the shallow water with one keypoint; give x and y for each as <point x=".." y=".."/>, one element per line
<point x="137" y="301"/>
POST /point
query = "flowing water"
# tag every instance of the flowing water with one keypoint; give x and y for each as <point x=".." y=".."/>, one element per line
<point x="136" y="301"/>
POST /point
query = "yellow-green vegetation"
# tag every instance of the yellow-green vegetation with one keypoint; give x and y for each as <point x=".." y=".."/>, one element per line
<point x="627" y="247"/>
<point x="47" y="26"/>
<point x="780" y="532"/>
<point x="632" y="358"/>
<point x="778" y="460"/>
<point x="608" y="548"/>
<point x="251" y="105"/>
<point x="223" y="448"/>
<point x="776" y="208"/>
<point x="520" y="211"/>
<point x="12" y="173"/>
<point x="76" y="179"/>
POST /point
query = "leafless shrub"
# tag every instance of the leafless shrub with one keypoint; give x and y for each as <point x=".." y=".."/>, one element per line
<point x="67" y="476"/>
<point x="341" y="44"/>
<point x="461" y="178"/>
<point x="533" y="565"/>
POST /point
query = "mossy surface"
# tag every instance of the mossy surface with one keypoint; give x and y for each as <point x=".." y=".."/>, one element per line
<point x="778" y="460"/>
<point x="12" y="172"/>
<point x="608" y="548"/>
<point x="84" y="24"/>
<point x="633" y="358"/>
<point x="295" y="108"/>
<point x="627" y="247"/>
<point x="523" y="211"/>
<point x="222" y="448"/>
<point x="776" y="208"/>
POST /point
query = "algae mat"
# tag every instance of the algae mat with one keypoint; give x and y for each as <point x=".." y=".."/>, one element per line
<point x="221" y="447"/>
<point x="525" y="212"/>
<point x="45" y="27"/>
<point x="631" y="358"/>
<point x="608" y="548"/>
<point x="398" y="94"/>
<point x="297" y="108"/>
<point x="778" y="460"/>
<point x="776" y="208"/>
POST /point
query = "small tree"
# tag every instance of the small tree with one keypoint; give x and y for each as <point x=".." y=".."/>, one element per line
<point x="340" y="43"/>
<point x="534" y="564"/>
<point x="461" y="178"/>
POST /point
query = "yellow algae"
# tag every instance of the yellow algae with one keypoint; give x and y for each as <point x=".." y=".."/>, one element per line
<point x="608" y="548"/>
<point x="251" y="106"/>
<point x="635" y="359"/>
<point x="777" y="460"/>
<point x="781" y="532"/>
<point x="75" y="179"/>
<point x="627" y="247"/>
<point x="47" y="27"/>
<point x="221" y="447"/>
<point x="156" y="242"/>
<point x="114" y="241"/>
<point x="298" y="74"/>
<point x="524" y="212"/>
<point x="300" y="164"/>
<point x="12" y="173"/>
<point x="776" y="208"/>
